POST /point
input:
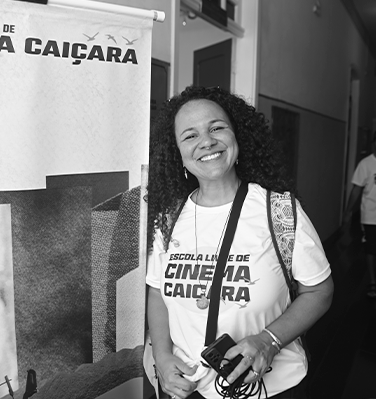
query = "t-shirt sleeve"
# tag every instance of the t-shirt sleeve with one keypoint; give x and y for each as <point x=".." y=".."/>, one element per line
<point x="155" y="262"/>
<point x="360" y="175"/>
<point x="309" y="263"/>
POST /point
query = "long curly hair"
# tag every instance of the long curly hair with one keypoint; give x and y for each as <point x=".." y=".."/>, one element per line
<point x="259" y="160"/>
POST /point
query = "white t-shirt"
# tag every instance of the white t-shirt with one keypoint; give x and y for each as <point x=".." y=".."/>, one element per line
<point x="254" y="290"/>
<point x="365" y="176"/>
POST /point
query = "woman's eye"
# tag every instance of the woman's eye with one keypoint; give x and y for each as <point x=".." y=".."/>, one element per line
<point x="191" y="136"/>
<point x="216" y="128"/>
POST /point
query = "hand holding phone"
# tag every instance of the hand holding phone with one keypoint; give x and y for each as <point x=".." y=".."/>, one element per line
<point x="214" y="355"/>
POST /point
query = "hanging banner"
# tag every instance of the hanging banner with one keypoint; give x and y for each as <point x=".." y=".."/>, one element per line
<point x="75" y="110"/>
<point x="75" y="88"/>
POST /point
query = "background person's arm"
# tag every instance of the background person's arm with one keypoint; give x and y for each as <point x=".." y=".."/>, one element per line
<point x="355" y="194"/>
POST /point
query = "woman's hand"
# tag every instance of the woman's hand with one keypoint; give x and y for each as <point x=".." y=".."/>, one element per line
<point x="170" y="371"/>
<point x="169" y="368"/>
<point x="257" y="351"/>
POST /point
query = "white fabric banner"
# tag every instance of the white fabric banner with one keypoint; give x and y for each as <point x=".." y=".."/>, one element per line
<point x="75" y="93"/>
<point x="74" y="133"/>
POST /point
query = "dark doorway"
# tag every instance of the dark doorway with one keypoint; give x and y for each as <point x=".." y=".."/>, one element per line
<point x="285" y="129"/>
<point x="212" y="65"/>
<point x="159" y="85"/>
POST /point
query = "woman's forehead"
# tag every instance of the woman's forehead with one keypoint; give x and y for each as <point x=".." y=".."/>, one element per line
<point x="197" y="107"/>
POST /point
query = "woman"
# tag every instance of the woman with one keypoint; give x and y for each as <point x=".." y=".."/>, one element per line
<point x="204" y="143"/>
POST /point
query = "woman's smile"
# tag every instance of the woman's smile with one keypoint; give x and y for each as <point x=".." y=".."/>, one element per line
<point x="210" y="157"/>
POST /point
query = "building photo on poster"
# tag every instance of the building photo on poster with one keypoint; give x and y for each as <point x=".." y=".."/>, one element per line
<point x="75" y="109"/>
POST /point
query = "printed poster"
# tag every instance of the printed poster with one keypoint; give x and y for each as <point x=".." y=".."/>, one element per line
<point x="75" y="110"/>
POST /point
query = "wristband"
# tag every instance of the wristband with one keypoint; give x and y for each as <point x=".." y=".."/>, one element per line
<point x="276" y="346"/>
<point x="274" y="338"/>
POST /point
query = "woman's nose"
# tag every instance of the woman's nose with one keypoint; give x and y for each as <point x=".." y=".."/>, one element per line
<point x="207" y="140"/>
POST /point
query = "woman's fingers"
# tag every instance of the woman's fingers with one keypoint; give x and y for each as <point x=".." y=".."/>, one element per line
<point x="256" y="365"/>
<point x="245" y="364"/>
<point x="177" y="385"/>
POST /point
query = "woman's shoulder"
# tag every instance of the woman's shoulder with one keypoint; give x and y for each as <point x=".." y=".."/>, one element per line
<point x="260" y="194"/>
<point x="256" y="191"/>
<point x="256" y="197"/>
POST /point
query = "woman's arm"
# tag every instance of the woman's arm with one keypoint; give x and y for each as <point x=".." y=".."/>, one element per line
<point x="158" y="323"/>
<point x="310" y="305"/>
<point x="169" y="368"/>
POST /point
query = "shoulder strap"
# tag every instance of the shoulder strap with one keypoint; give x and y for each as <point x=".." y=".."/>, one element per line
<point x="211" y="325"/>
<point x="289" y="242"/>
<point x="293" y="203"/>
<point x="276" y="211"/>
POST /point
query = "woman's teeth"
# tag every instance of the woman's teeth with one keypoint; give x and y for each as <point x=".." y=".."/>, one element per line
<point x="210" y="157"/>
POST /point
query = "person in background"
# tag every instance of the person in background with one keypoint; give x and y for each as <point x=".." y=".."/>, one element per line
<point x="204" y="143"/>
<point x="364" y="186"/>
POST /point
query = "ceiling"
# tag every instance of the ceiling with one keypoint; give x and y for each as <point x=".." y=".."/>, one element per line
<point x="363" y="13"/>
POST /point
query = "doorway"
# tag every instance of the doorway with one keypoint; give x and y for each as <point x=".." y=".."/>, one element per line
<point x="285" y="130"/>
<point x="212" y="65"/>
<point x="159" y="86"/>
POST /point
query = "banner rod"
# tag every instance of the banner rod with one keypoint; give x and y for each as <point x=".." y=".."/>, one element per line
<point x="158" y="16"/>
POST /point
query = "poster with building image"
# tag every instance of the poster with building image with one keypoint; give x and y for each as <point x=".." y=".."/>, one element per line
<point x="75" y="110"/>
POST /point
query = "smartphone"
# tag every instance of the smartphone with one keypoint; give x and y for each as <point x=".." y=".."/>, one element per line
<point x="214" y="355"/>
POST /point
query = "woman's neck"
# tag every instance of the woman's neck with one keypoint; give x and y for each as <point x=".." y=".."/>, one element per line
<point x="215" y="193"/>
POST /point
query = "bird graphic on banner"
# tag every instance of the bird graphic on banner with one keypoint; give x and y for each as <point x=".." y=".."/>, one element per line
<point x="110" y="37"/>
<point x="129" y="42"/>
<point x="90" y="38"/>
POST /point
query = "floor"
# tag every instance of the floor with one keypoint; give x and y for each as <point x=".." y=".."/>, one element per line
<point x="343" y="342"/>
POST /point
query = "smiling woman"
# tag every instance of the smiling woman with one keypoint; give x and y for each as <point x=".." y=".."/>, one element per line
<point x="206" y="146"/>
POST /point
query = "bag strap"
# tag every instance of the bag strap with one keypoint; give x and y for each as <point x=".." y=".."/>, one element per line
<point x="293" y="203"/>
<point x="291" y="283"/>
<point x="211" y="325"/>
<point x="289" y="280"/>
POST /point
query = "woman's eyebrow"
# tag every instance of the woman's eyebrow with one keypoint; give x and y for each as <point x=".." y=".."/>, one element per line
<point x="218" y="120"/>
<point x="188" y="129"/>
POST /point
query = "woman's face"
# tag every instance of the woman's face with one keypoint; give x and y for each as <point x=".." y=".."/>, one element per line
<point x="206" y="140"/>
